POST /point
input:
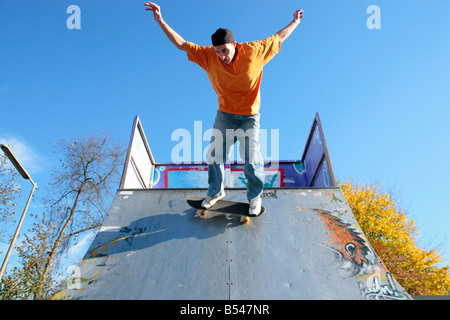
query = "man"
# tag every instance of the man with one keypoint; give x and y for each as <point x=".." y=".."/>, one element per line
<point x="235" y="71"/>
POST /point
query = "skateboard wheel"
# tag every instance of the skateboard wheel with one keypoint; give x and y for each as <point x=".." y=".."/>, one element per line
<point x="203" y="213"/>
<point x="246" y="219"/>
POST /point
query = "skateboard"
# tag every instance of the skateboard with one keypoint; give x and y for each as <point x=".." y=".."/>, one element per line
<point x="225" y="207"/>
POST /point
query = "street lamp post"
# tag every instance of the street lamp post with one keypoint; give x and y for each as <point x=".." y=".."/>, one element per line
<point x="26" y="176"/>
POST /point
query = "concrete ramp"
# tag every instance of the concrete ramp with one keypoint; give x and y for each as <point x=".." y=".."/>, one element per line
<point x="307" y="245"/>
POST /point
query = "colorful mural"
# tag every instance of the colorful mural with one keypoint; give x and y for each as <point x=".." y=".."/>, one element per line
<point x="285" y="174"/>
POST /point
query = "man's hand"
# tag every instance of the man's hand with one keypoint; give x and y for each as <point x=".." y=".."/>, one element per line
<point x="286" y="32"/>
<point x="298" y="15"/>
<point x="174" y="37"/>
<point x="156" y="10"/>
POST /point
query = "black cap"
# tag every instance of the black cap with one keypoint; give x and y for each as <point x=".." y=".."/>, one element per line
<point x="222" y="36"/>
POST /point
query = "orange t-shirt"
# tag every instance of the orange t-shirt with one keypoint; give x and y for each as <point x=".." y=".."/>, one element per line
<point x="237" y="84"/>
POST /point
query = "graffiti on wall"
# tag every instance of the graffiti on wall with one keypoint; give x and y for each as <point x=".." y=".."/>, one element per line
<point x="351" y="250"/>
<point x="355" y="257"/>
<point x="286" y="174"/>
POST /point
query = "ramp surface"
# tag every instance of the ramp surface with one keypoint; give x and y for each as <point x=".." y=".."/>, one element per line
<point x="307" y="245"/>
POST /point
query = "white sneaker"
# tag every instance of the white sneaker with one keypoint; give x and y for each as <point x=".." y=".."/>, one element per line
<point x="255" y="207"/>
<point x="210" y="201"/>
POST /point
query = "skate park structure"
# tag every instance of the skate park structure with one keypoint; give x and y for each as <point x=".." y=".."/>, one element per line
<point x="308" y="244"/>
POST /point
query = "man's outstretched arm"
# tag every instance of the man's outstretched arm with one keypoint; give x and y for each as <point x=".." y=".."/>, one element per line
<point x="286" y="32"/>
<point x="174" y="37"/>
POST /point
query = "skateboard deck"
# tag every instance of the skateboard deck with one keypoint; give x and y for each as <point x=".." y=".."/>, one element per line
<point x="224" y="206"/>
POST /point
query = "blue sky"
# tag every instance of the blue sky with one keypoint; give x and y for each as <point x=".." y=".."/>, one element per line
<point x="383" y="94"/>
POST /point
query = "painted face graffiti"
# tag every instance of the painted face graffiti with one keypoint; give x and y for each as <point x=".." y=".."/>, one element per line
<point x="350" y="248"/>
<point x="356" y="258"/>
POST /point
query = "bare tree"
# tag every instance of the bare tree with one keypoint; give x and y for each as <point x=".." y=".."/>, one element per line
<point x="81" y="187"/>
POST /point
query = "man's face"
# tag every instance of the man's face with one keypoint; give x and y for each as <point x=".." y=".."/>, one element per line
<point x="226" y="52"/>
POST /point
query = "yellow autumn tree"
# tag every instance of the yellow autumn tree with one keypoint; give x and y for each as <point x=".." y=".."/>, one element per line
<point x="394" y="237"/>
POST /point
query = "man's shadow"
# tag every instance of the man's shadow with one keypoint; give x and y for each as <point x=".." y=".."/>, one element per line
<point x="156" y="229"/>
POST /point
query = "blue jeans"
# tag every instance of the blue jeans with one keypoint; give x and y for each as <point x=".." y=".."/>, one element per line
<point x="229" y="128"/>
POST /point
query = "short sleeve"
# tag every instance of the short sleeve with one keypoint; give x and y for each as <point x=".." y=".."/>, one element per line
<point x="267" y="48"/>
<point x="198" y="54"/>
